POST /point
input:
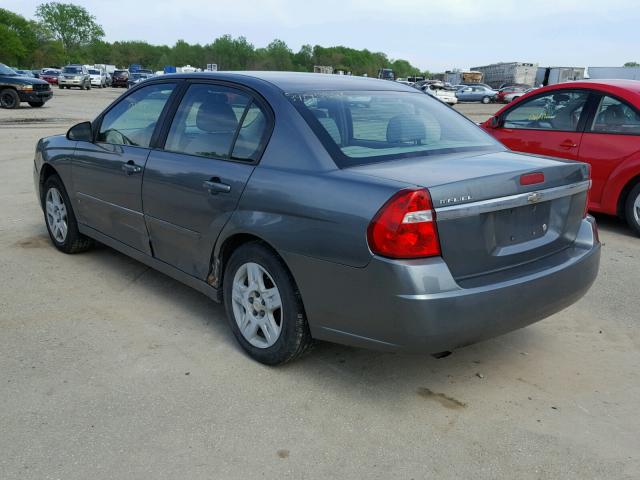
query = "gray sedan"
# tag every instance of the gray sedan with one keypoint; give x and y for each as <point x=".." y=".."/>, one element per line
<point x="476" y="93"/>
<point x="347" y="209"/>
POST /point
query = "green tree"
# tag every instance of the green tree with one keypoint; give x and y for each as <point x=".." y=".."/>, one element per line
<point x="632" y="64"/>
<point x="17" y="38"/>
<point x="71" y="24"/>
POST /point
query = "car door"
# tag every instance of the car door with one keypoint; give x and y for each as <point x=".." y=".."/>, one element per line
<point x="611" y="136"/>
<point x="192" y="186"/>
<point x="107" y="173"/>
<point x="464" y="94"/>
<point x="547" y="124"/>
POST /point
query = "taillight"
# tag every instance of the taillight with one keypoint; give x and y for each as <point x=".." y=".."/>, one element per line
<point x="405" y="227"/>
<point x="586" y="204"/>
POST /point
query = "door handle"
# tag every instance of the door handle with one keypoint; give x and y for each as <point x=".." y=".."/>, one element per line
<point x="130" y="168"/>
<point x="216" y="186"/>
<point x="568" y="144"/>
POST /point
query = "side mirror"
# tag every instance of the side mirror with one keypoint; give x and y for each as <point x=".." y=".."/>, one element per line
<point x="496" y="122"/>
<point x="82" y="132"/>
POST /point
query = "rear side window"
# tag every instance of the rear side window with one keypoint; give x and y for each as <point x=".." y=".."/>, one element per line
<point x="218" y="122"/>
<point x="614" y="116"/>
<point x="133" y="120"/>
<point x="359" y="127"/>
<point x="559" y="110"/>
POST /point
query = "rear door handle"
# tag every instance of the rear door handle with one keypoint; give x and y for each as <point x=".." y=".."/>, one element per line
<point x="130" y="168"/>
<point x="215" y="186"/>
<point x="568" y="144"/>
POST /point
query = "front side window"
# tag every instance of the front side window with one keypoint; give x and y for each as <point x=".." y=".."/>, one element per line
<point x="211" y="118"/>
<point x="614" y="116"/>
<point x="133" y="120"/>
<point x="360" y="127"/>
<point x="559" y="110"/>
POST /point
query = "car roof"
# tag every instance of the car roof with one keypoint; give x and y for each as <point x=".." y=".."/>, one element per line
<point x="301" y="82"/>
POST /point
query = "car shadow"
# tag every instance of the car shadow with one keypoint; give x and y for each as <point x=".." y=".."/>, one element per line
<point x="341" y="369"/>
<point x="612" y="223"/>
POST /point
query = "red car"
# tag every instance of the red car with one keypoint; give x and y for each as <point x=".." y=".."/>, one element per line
<point x="597" y="122"/>
<point x="50" y="76"/>
<point x="500" y="97"/>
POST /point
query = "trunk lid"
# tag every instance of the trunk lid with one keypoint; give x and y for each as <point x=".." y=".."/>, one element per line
<point x="487" y="221"/>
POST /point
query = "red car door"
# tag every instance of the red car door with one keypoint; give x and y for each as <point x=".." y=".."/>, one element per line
<point x="610" y="140"/>
<point x="547" y="124"/>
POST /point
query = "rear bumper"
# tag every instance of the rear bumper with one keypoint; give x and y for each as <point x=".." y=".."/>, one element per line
<point x="418" y="306"/>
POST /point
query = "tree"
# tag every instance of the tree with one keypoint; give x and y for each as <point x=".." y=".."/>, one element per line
<point x="17" y="38"/>
<point x="632" y="64"/>
<point x="73" y="25"/>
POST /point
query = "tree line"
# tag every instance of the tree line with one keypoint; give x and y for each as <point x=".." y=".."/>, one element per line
<point x="66" y="33"/>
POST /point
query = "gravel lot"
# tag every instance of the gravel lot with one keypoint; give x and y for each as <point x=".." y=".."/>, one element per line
<point x="111" y="370"/>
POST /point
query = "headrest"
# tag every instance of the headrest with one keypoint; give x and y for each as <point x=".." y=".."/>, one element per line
<point x="216" y="116"/>
<point x="406" y="128"/>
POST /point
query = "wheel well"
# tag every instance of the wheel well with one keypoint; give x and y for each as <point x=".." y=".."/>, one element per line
<point x="45" y="173"/>
<point x="229" y="246"/>
<point x="622" y="199"/>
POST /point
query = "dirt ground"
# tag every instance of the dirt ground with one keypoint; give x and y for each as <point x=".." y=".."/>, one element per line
<point x="111" y="370"/>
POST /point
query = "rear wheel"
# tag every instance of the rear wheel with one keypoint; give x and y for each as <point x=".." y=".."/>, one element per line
<point x="263" y="305"/>
<point x="632" y="209"/>
<point x="9" y="98"/>
<point x="60" y="219"/>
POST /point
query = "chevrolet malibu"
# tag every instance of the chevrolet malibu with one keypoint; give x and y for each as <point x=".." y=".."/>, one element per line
<point x="346" y="209"/>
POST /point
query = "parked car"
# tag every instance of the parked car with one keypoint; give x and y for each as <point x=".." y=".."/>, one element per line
<point x="503" y="92"/>
<point x="75" y="76"/>
<point x="597" y="122"/>
<point x="16" y="88"/>
<point x="50" y="76"/>
<point x="137" y="77"/>
<point x="400" y="225"/>
<point x="98" y="78"/>
<point x="24" y="73"/>
<point x="476" y="93"/>
<point x="441" y="93"/>
<point x="473" y="84"/>
<point x="510" y="97"/>
<point x="120" y="78"/>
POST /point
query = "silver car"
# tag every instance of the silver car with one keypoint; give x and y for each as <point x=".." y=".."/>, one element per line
<point x="354" y="210"/>
<point x="75" y="76"/>
<point x="476" y="93"/>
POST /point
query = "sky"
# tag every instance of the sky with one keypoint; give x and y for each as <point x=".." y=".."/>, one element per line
<point x="432" y="35"/>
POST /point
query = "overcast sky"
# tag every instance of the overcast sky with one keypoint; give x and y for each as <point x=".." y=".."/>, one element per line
<point x="434" y="35"/>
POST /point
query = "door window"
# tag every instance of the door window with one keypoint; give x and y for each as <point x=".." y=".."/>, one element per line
<point x="211" y="117"/>
<point x="614" y="116"/>
<point x="133" y="120"/>
<point x="559" y="110"/>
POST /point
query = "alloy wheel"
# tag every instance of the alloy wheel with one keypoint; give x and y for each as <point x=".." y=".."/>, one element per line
<point x="257" y="306"/>
<point x="56" y="215"/>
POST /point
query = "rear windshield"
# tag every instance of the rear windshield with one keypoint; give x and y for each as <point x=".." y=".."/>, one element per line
<point x="120" y="72"/>
<point x="72" y="70"/>
<point x="366" y="127"/>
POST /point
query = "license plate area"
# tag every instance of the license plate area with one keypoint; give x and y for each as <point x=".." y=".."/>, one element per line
<point x="521" y="224"/>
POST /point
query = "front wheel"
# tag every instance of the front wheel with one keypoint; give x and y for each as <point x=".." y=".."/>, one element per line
<point x="60" y="219"/>
<point x="632" y="209"/>
<point x="485" y="100"/>
<point x="9" y="98"/>
<point x="263" y="305"/>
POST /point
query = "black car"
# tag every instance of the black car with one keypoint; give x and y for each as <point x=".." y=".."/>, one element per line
<point x="120" y="78"/>
<point x="15" y="88"/>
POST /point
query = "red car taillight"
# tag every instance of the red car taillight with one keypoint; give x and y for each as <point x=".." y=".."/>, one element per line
<point x="405" y="227"/>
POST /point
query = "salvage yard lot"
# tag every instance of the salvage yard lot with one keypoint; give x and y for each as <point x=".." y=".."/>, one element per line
<point x="111" y="370"/>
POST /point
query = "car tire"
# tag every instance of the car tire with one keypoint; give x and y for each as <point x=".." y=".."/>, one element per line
<point x="60" y="87"/>
<point x="60" y="219"/>
<point x="264" y="307"/>
<point x="9" y="98"/>
<point x="632" y="209"/>
<point x="486" y="100"/>
<point x="36" y="104"/>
